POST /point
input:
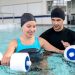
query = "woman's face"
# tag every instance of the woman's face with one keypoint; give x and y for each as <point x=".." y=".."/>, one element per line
<point x="29" y="28"/>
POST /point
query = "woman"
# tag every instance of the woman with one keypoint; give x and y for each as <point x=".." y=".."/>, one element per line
<point x="27" y="42"/>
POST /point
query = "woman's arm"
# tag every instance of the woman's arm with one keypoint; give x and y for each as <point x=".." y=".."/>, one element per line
<point x="47" y="46"/>
<point x="6" y="57"/>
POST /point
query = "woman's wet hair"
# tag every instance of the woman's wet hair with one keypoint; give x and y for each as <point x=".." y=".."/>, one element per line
<point x="27" y="17"/>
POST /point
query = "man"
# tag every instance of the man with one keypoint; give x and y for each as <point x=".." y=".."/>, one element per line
<point x="58" y="35"/>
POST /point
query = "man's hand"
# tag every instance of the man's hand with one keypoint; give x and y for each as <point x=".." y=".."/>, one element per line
<point x="65" y="44"/>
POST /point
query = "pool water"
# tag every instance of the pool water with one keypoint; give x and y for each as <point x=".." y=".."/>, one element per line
<point x="56" y="64"/>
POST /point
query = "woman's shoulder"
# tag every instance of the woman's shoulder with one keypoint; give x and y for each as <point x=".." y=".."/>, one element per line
<point x="13" y="42"/>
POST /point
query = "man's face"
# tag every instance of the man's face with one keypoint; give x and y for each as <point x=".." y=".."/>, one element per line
<point x="57" y="23"/>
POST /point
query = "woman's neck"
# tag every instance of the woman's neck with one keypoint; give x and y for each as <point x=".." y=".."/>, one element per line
<point x="27" y="40"/>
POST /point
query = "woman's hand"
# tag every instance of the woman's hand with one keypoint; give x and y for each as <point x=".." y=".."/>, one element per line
<point x="5" y="60"/>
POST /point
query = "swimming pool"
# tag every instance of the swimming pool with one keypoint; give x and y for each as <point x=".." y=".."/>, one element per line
<point x="56" y="64"/>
